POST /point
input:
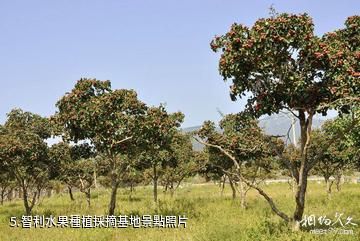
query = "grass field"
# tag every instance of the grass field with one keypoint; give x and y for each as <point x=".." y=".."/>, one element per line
<point x="210" y="215"/>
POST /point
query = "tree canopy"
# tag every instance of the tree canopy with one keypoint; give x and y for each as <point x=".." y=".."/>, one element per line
<point x="24" y="152"/>
<point x="279" y="63"/>
<point x="285" y="65"/>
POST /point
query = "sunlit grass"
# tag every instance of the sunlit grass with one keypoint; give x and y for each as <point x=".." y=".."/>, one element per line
<point x="211" y="216"/>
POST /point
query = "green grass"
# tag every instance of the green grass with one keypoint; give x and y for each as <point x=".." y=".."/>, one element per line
<point x="210" y="216"/>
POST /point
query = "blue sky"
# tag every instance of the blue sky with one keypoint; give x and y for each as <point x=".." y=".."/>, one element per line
<point x="159" y="48"/>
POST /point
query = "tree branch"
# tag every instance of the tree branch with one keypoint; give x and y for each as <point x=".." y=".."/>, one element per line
<point x="121" y="141"/>
<point x="260" y="191"/>
<point x="346" y="99"/>
<point x="290" y="110"/>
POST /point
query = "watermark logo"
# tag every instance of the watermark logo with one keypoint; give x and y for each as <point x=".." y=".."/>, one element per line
<point x="339" y="224"/>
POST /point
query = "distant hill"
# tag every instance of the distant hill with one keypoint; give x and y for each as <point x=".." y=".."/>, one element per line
<point x="272" y="125"/>
<point x="196" y="145"/>
<point x="280" y="125"/>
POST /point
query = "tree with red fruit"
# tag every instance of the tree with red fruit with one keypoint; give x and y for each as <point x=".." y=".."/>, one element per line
<point x="341" y="156"/>
<point x="240" y="151"/>
<point x="179" y="162"/>
<point x="108" y="119"/>
<point x="24" y="153"/>
<point x="159" y="129"/>
<point x="279" y="63"/>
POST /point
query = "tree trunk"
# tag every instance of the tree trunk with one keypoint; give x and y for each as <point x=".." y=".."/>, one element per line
<point x="95" y="179"/>
<point x="328" y="188"/>
<point x="114" y="185"/>
<point x="71" y="194"/>
<point x="49" y="192"/>
<point x="242" y="194"/>
<point x="2" y="196"/>
<point x="38" y="191"/>
<point x="172" y="190"/>
<point x="233" y="189"/>
<point x="300" y="192"/>
<point x="20" y="193"/>
<point x="222" y="185"/>
<point x="300" y="199"/>
<point x="155" y="182"/>
<point x="328" y="183"/>
<point x="131" y="187"/>
<point x="88" y="196"/>
<point x="10" y="195"/>
<point x="131" y="190"/>
<point x="28" y="206"/>
<point x="112" y="204"/>
<point x="300" y="204"/>
<point x="338" y="182"/>
<point x="58" y="189"/>
<point x="166" y="187"/>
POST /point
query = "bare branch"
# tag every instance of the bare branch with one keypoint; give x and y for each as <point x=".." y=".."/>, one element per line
<point x="121" y="141"/>
<point x="222" y="150"/>
<point x="268" y="199"/>
<point x="290" y="110"/>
